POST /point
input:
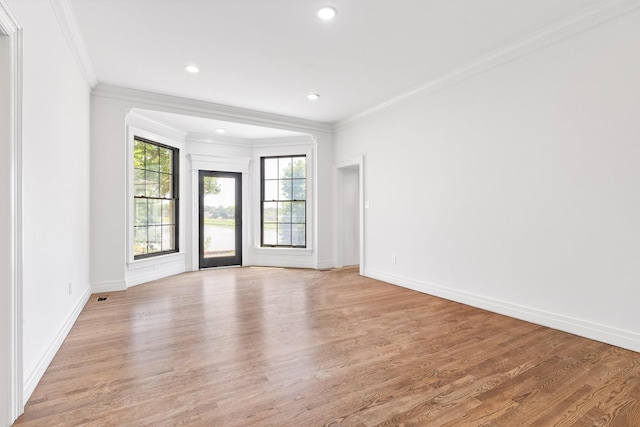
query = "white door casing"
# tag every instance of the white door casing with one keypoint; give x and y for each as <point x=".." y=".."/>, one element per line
<point x="11" y="395"/>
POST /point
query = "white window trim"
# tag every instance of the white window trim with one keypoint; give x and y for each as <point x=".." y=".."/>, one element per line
<point x="290" y="149"/>
<point x="198" y="162"/>
<point x="132" y="133"/>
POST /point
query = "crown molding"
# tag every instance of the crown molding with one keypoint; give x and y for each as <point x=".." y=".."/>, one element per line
<point x="69" y="26"/>
<point x="143" y="122"/>
<point x="9" y="24"/>
<point x="209" y="110"/>
<point x="217" y="139"/>
<point x="249" y="143"/>
<point x="219" y="162"/>
<point x="284" y="141"/>
<point x="561" y="30"/>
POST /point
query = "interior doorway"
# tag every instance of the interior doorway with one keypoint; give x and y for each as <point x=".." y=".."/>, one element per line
<point x="220" y="218"/>
<point x="350" y="220"/>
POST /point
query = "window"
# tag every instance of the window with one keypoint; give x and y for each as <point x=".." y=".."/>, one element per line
<point x="284" y="201"/>
<point x="155" y="186"/>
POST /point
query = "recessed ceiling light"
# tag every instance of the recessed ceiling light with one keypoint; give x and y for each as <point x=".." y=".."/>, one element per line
<point x="327" y="13"/>
<point x="221" y="130"/>
<point x="313" y="96"/>
<point x="192" y="69"/>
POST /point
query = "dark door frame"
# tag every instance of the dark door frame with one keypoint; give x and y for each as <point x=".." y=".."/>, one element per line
<point x="228" y="260"/>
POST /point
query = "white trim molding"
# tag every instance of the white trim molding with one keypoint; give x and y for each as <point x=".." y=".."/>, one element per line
<point x="12" y="30"/>
<point x="278" y="256"/>
<point x="356" y="162"/>
<point x="242" y="165"/>
<point x="145" y="270"/>
<point x="217" y="139"/>
<point x="139" y="272"/>
<point x="575" y="24"/>
<point x="284" y="141"/>
<point x="111" y="286"/>
<point x="208" y="110"/>
<point x="140" y="121"/>
<point x="594" y="331"/>
<point x="33" y="377"/>
<point x="69" y="26"/>
<point x="218" y="163"/>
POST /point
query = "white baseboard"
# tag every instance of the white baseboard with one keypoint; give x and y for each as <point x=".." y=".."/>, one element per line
<point x="113" y="286"/>
<point x="321" y="265"/>
<point x="594" y="331"/>
<point x="275" y="261"/>
<point x="139" y="279"/>
<point x="33" y="378"/>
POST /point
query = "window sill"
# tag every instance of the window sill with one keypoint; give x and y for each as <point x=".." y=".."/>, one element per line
<point x="160" y="259"/>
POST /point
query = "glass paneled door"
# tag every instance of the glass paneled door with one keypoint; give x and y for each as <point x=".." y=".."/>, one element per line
<point x="220" y="218"/>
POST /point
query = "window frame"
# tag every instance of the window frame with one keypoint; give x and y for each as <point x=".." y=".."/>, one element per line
<point x="292" y="200"/>
<point x="175" y="183"/>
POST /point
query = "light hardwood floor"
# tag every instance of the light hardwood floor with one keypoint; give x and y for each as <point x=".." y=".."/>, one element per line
<point x="260" y="347"/>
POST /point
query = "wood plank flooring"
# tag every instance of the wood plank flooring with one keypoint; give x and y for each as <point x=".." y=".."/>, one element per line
<point x="278" y="347"/>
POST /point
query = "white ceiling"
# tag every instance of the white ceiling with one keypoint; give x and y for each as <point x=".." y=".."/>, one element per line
<point x="267" y="55"/>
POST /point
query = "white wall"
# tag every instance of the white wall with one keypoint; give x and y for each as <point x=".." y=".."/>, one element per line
<point x="55" y="184"/>
<point x="108" y="185"/>
<point x="325" y="199"/>
<point x="517" y="189"/>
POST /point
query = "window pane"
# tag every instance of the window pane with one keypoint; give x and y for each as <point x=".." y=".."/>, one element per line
<point x="155" y="238"/>
<point x="155" y="212"/>
<point x="138" y="176"/>
<point x="168" y="237"/>
<point x="270" y="234"/>
<point x="270" y="168"/>
<point x="271" y="190"/>
<point x="284" y="211"/>
<point x="165" y="186"/>
<point x="284" y="165"/>
<point x="138" y="154"/>
<point x="270" y="213"/>
<point x="139" y="190"/>
<point x="138" y="182"/>
<point x="299" y="189"/>
<point x="152" y="157"/>
<point x="167" y="212"/>
<point x="298" y="235"/>
<point x="298" y="212"/>
<point x="140" y="212"/>
<point x="284" y="234"/>
<point x="140" y="240"/>
<point x="165" y="160"/>
<point x="300" y="167"/>
<point x="285" y="190"/>
<point x="152" y="180"/>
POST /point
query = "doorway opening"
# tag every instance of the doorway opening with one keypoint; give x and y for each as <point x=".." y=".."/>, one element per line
<point x="350" y="221"/>
<point x="220" y="219"/>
